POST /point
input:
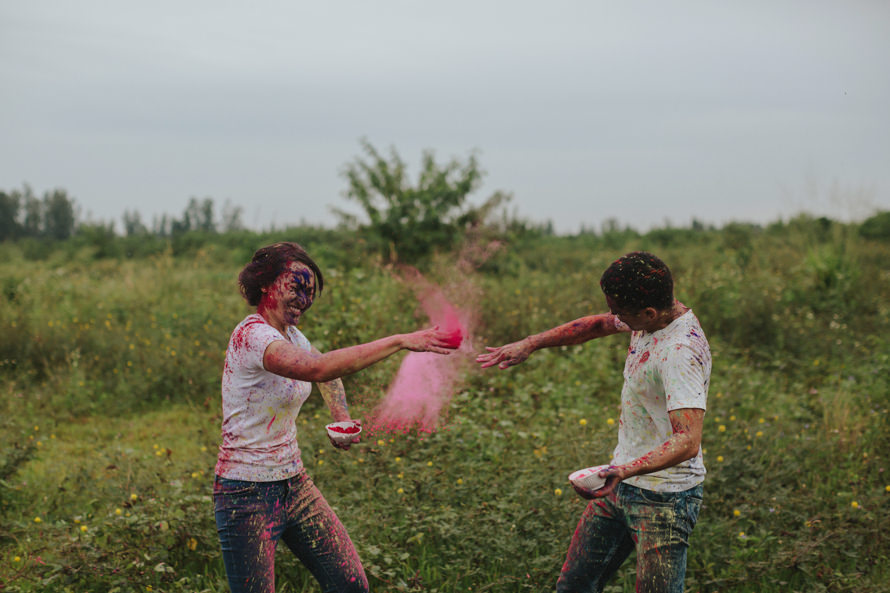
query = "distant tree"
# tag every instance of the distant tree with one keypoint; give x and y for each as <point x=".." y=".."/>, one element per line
<point x="205" y="221"/>
<point x="198" y="216"/>
<point x="412" y="220"/>
<point x="231" y="218"/>
<point x="876" y="227"/>
<point x="161" y="226"/>
<point x="58" y="215"/>
<point x="133" y="225"/>
<point x="32" y="225"/>
<point x="10" y="206"/>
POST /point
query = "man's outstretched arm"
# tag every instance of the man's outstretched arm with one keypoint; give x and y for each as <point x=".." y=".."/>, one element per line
<point x="574" y="332"/>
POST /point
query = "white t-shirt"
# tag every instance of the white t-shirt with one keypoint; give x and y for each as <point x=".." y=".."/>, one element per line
<point x="259" y="431"/>
<point x="665" y="370"/>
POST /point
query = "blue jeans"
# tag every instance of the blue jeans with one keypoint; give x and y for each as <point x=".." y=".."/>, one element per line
<point x="252" y="516"/>
<point x="657" y="524"/>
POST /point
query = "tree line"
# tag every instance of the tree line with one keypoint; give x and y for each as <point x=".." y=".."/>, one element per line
<point x="405" y="219"/>
<point x="23" y="214"/>
<point x="56" y="216"/>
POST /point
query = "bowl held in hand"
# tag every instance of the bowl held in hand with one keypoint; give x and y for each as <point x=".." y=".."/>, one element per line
<point x="343" y="432"/>
<point x="588" y="477"/>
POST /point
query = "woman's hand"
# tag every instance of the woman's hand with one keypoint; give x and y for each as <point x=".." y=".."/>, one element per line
<point x="345" y="446"/>
<point x="432" y="340"/>
<point x="507" y="355"/>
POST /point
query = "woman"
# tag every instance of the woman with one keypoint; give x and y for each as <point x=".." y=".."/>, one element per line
<point x="262" y="492"/>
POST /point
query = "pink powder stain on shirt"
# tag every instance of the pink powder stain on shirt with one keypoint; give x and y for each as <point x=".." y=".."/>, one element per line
<point x="425" y="382"/>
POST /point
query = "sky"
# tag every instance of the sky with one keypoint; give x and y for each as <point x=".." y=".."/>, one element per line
<point x="647" y="113"/>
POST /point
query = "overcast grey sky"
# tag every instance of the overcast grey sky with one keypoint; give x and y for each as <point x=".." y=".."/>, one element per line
<point x="643" y="111"/>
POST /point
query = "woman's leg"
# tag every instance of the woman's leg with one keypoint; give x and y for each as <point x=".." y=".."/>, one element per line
<point x="247" y="522"/>
<point x="317" y="537"/>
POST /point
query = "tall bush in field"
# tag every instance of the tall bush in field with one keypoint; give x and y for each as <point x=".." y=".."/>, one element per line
<point x="410" y="221"/>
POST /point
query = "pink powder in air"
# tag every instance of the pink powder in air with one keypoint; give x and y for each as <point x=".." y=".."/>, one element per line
<point x="425" y="382"/>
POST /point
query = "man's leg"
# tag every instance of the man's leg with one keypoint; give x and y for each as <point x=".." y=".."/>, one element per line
<point x="661" y="523"/>
<point x="600" y="544"/>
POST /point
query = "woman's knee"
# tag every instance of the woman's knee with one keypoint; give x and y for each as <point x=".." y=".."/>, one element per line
<point x="353" y="584"/>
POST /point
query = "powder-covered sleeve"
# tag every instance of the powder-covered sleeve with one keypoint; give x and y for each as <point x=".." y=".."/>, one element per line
<point x="297" y="338"/>
<point x="686" y="374"/>
<point x="257" y="337"/>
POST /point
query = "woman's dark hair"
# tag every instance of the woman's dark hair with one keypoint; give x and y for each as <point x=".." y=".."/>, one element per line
<point x="639" y="280"/>
<point x="268" y="263"/>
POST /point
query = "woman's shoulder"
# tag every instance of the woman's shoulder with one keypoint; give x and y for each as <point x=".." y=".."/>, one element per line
<point x="253" y="330"/>
<point x="296" y="337"/>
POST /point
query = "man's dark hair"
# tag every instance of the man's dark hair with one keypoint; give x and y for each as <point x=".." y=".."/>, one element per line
<point x="268" y="263"/>
<point x="638" y="280"/>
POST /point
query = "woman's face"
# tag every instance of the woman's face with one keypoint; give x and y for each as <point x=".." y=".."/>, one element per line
<point x="290" y="295"/>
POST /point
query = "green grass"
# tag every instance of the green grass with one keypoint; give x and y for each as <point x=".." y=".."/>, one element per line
<point x="110" y="418"/>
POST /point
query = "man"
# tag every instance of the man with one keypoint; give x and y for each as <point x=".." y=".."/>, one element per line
<point x="653" y="488"/>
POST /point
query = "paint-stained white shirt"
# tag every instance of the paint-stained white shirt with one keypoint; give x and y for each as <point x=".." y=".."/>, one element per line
<point x="665" y="370"/>
<point x="259" y="431"/>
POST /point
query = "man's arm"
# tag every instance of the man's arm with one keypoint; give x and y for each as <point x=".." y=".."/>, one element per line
<point x="567" y="334"/>
<point x="683" y="444"/>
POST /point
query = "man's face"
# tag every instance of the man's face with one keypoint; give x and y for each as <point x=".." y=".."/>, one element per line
<point x="635" y="320"/>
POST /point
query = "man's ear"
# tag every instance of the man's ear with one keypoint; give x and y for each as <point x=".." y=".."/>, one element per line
<point x="650" y="313"/>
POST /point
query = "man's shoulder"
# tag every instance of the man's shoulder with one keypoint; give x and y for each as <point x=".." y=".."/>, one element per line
<point x="684" y="333"/>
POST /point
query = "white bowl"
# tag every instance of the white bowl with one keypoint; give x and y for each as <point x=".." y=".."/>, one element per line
<point x="588" y="478"/>
<point x="344" y="432"/>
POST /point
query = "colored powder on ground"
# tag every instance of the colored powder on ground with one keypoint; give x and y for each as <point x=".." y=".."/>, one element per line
<point x="423" y="387"/>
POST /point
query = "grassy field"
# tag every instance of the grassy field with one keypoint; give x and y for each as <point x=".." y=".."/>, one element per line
<point x="110" y="413"/>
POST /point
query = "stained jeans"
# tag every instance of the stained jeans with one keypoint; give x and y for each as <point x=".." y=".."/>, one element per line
<point x="657" y="524"/>
<point x="252" y="516"/>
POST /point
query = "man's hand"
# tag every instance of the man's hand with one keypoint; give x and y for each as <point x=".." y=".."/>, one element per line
<point x="613" y="474"/>
<point x="507" y="355"/>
